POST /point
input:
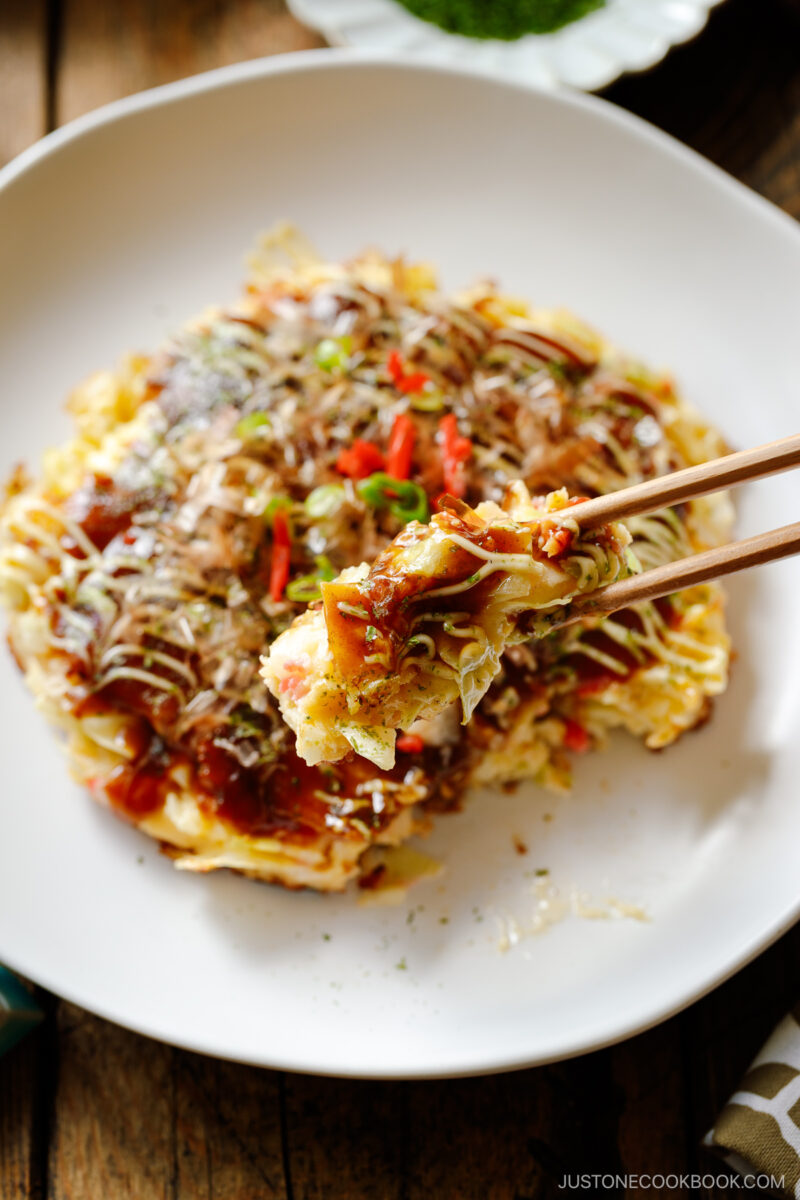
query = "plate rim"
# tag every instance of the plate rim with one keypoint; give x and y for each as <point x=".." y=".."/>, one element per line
<point x="344" y="59"/>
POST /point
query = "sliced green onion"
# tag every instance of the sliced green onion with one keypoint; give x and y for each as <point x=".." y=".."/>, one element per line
<point x="325" y="568"/>
<point x="276" y="503"/>
<point x="303" y="590"/>
<point x="250" y="425"/>
<point x="405" y="500"/>
<point x="333" y="354"/>
<point x="306" y="588"/>
<point x="428" y="400"/>
<point x="324" y="500"/>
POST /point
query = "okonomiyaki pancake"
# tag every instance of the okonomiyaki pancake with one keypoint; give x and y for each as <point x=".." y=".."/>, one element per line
<point x="213" y="488"/>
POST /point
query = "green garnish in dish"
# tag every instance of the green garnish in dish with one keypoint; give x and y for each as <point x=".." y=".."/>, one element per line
<point x="305" y="588"/>
<point x="249" y="426"/>
<point x="324" y="500"/>
<point x="430" y="399"/>
<point x="333" y="354"/>
<point x="277" y="504"/>
<point x="506" y="20"/>
<point x="405" y="500"/>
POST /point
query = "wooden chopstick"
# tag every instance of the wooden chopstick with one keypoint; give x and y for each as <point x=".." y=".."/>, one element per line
<point x="713" y="476"/>
<point x="686" y="572"/>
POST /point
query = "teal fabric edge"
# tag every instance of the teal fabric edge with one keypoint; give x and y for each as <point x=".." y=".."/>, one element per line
<point x="19" y="1012"/>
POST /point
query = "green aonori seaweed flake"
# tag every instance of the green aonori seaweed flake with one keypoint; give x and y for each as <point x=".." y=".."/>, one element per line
<point x="505" y="20"/>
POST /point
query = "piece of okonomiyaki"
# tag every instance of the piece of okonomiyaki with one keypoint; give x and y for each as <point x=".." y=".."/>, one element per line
<point x="213" y="487"/>
<point x="426" y="625"/>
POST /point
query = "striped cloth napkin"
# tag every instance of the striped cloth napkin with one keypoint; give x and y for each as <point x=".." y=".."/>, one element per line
<point x="758" y="1130"/>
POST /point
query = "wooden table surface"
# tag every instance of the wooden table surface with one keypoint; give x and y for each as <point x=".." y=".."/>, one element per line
<point x="91" y="1112"/>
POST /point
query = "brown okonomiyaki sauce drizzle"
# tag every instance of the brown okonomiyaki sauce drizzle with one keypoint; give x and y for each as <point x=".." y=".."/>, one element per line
<point x="534" y="406"/>
<point x="294" y="798"/>
<point x="103" y="510"/>
<point x="387" y="595"/>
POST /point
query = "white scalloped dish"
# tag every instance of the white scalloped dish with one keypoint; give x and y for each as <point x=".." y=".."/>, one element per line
<point x="574" y="204"/>
<point x="588" y="54"/>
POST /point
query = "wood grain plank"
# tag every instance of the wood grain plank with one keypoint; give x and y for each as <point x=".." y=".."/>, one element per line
<point x="113" y="1129"/>
<point x="112" y="50"/>
<point x="345" y="1138"/>
<point x="20" y="1108"/>
<point x="733" y="94"/>
<point x="466" y="1135"/>
<point x="136" y="1118"/>
<point x="650" y="1070"/>
<point x="228" y="1131"/>
<point x="512" y="1137"/>
<point x="582" y="1106"/>
<point x="23" y="75"/>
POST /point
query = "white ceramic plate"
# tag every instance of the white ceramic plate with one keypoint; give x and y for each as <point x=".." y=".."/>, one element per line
<point x="117" y="228"/>
<point x="624" y="35"/>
